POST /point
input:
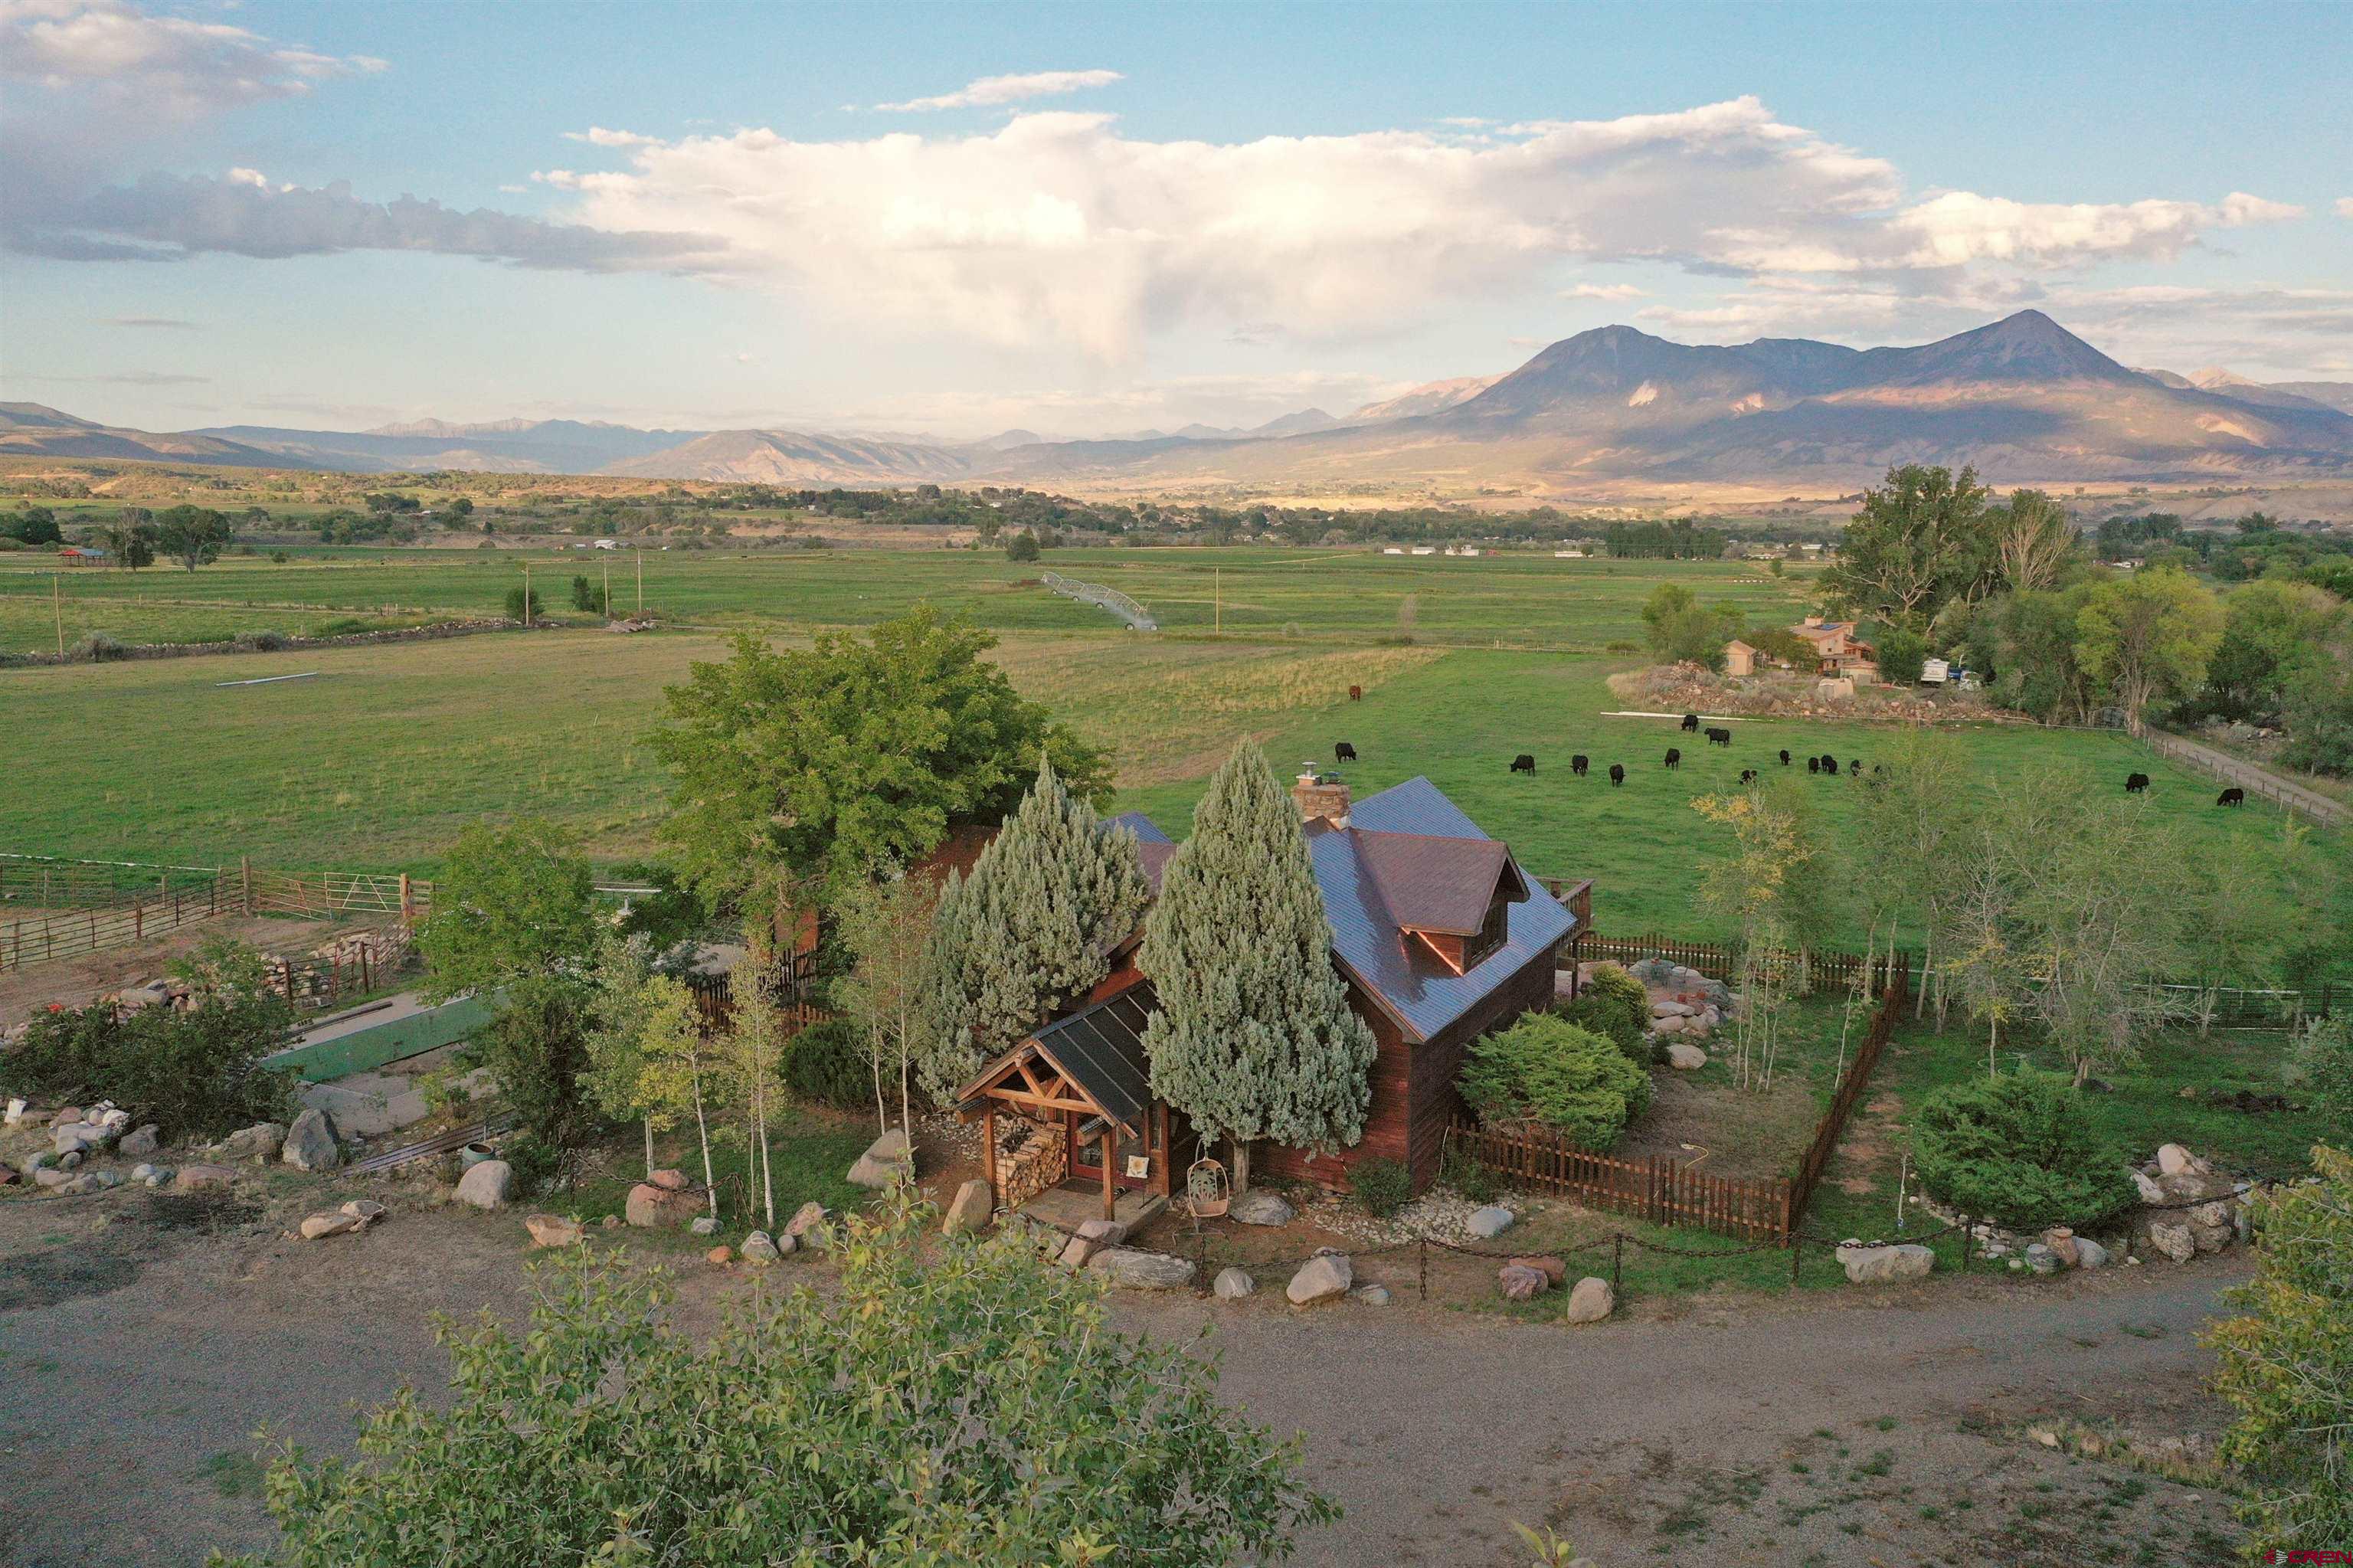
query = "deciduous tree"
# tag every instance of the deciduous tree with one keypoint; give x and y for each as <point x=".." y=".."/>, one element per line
<point x="512" y="904"/>
<point x="1922" y="536"/>
<point x="2148" y="635"/>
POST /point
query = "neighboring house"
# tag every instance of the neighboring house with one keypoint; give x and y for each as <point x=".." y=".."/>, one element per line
<point x="1838" y="651"/>
<point x="1439" y="935"/>
<point x="1739" y="658"/>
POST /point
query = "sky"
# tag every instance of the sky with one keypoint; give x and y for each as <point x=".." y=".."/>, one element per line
<point x="950" y="219"/>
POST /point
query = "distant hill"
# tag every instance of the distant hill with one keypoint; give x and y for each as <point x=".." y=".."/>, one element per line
<point x="2023" y="398"/>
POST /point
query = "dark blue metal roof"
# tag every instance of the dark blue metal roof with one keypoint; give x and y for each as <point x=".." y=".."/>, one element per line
<point x="1424" y="995"/>
<point x="1145" y="830"/>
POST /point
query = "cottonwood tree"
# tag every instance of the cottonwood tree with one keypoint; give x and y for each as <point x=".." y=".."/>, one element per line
<point x="749" y="1056"/>
<point x="1921" y="537"/>
<point x="2148" y="635"/>
<point x="1254" y="1038"/>
<point x="511" y="904"/>
<point x="1031" y="928"/>
<point x="855" y="752"/>
<point x="2033" y="543"/>
<point x="193" y="536"/>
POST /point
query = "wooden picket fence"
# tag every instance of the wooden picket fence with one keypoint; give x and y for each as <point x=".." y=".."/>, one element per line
<point x="1661" y="1191"/>
<point x="797" y="1005"/>
<point x="1664" y="1190"/>
<point x="1818" y="969"/>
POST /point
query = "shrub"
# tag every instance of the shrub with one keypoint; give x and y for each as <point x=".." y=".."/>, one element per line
<point x="605" y="1432"/>
<point x="828" y="1063"/>
<point x="1381" y="1185"/>
<point x="100" y="648"/>
<point x="536" y="1048"/>
<point x="521" y="609"/>
<point x="1901" y="655"/>
<point x="2322" y="1068"/>
<point x="261" y="642"/>
<point x="345" y="626"/>
<point x="2019" y="1150"/>
<point x="1548" y="1071"/>
<point x="1614" y="1005"/>
<point x="1469" y="1178"/>
<point x="199" y="1074"/>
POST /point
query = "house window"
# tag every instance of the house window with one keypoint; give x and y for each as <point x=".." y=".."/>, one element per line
<point x="1491" y="933"/>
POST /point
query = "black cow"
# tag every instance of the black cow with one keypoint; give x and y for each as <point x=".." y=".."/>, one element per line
<point x="1785" y="759"/>
<point x="1748" y="776"/>
<point x="1691" y="721"/>
<point x="1830" y="763"/>
<point x="1674" y="756"/>
<point x="1344" y="752"/>
<point x="1577" y="765"/>
<point x="1813" y="765"/>
<point x="1719" y="736"/>
<point x="1523" y="763"/>
<point x="1617" y="773"/>
<point x="2136" y="782"/>
<point x="1854" y="768"/>
<point x="2234" y="796"/>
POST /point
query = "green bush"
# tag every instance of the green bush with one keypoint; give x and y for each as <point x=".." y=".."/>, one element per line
<point x="101" y="648"/>
<point x="1901" y="655"/>
<point x="1471" y="1179"/>
<point x="2021" y="1151"/>
<point x="1382" y="1185"/>
<point x="828" y="1063"/>
<point x="197" y="1074"/>
<point x="1546" y="1070"/>
<point x="261" y="642"/>
<point x="536" y="1048"/>
<point x="521" y="609"/>
<point x="1614" y="1005"/>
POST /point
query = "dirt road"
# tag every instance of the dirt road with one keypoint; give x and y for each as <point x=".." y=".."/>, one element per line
<point x="142" y="1343"/>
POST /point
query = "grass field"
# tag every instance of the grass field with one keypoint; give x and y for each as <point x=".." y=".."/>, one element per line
<point x="393" y="749"/>
<point x="1522" y="601"/>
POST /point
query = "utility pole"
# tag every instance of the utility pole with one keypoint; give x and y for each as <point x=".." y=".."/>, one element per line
<point x="608" y="587"/>
<point x="526" y="594"/>
<point x="57" y="608"/>
<point x="1217" y="600"/>
<point x="640" y="551"/>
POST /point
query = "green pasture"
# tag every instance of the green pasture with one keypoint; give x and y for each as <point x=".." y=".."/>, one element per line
<point x="1526" y="600"/>
<point x="391" y="750"/>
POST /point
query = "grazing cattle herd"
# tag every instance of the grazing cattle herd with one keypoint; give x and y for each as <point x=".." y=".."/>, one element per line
<point x="1579" y="763"/>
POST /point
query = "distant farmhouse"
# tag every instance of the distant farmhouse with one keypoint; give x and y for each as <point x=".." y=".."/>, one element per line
<point x="1839" y="653"/>
<point x="1439" y="935"/>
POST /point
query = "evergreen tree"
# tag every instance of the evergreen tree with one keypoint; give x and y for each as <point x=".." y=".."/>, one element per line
<point x="1028" y="930"/>
<point x="1254" y="1038"/>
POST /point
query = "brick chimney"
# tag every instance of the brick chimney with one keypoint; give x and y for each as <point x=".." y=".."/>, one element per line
<point x="1320" y="797"/>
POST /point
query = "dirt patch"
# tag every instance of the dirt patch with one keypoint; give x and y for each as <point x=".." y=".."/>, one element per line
<point x="77" y="982"/>
<point x="1720" y="1128"/>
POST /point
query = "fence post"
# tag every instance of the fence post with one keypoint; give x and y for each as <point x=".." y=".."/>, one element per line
<point x="1617" y="1260"/>
<point x="245" y="883"/>
<point x="1797" y="1244"/>
<point x="408" y="901"/>
<point x="1425" y="1269"/>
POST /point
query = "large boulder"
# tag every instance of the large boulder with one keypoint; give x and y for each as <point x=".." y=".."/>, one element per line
<point x="1593" y="1299"/>
<point x="320" y="1226"/>
<point x="1518" y="1282"/>
<point x="887" y="1160"/>
<point x="1489" y="1222"/>
<point x="141" y="1142"/>
<point x="2177" y="1242"/>
<point x="1686" y="1058"/>
<point x="1232" y="1285"/>
<point x="1260" y="1206"/>
<point x="1322" y="1278"/>
<point x="807" y="1227"/>
<point x="659" y="1208"/>
<point x="2146" y="1184"/>
<point x="1884" y="1264"/>
<point x="1092" y="1236"/>
<point x="311" y="1142"/>
<point x="671" y="1180"/>
<point x="759" y="1250"/>
<point x="196" y="1178"/>
<point x="2090" y="1254"/>
<point x="1554" y="1269"/>
<point x="970" y="1208"/>
<point x="485" y="1185"/>
<point x="1136" y="1269"/>
<point x="2173" y="1160"/>
<point x="553" y="1230"/>
<point x="261" y="1140"/>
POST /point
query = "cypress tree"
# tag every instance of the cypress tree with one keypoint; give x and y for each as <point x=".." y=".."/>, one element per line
<point x="1254" y="1038"/>
<point x="1028" y="930"/>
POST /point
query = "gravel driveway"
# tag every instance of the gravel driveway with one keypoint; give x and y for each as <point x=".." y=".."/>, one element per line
<point x="141" y="1346"/>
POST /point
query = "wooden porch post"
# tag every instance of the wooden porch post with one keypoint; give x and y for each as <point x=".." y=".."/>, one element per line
<point x="1111" y="1197"/>
<point x="988" y="1149"/>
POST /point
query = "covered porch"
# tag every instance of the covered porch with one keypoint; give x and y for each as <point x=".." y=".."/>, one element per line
<point x="1067" y="1116"/>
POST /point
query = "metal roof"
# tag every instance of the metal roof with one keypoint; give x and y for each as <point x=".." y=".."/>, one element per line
<point x="1413" y="985"/>
<point x="1145" y="830"/>
<point x="1433" y="882"/>
<point x="1101" y="1049"/>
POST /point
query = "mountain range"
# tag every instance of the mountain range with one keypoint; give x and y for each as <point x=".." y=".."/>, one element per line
<point x="2023" y="398"/>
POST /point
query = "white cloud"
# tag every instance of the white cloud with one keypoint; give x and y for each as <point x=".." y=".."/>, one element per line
<point x="1060" y="229"/>
<point x="1604" y="291"/>
<point x="598" y="136"/>
<point x="991" y="90"/>
<point x="156" y="64"/>
<point x="2344" y="206"/>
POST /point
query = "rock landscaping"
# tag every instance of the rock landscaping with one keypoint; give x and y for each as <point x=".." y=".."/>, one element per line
<point x="2187" y="1209"/>
<point x="887" y="1159"/>
<point x="1136" y="1269"/>
<point x="486" y="1183"/>
<point x="1322" y="1278"/>
<point x="1233" y="1284"/>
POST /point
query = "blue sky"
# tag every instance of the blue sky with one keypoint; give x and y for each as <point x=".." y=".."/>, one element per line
<point x="1175" y="212"/>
